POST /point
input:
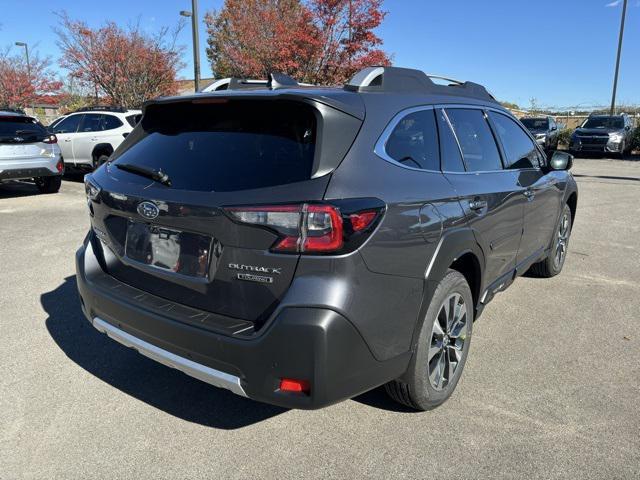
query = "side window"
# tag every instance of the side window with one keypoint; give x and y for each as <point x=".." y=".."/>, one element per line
<point x="449" y="150"/>
<point x="476" y="140"/>
<point x="92" y="123"/>
<point x="110" y="122"/>
<point x="520" y="150"/>
<point x="68" y="125"/>
<point x="414" y="141"/>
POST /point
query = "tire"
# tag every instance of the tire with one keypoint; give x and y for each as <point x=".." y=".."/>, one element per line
<point x="552" y="265"/>
<point x="100" y="160"/>
<point x="423" y="386"/>
<point x="49" y="184"/>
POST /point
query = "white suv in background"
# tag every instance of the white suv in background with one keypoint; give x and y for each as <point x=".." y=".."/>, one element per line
<point x="87" y="137"/>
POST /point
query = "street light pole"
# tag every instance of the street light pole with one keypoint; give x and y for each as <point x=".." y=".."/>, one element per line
<point x="615" y="78"/>
<point x="196" y="41"/>
<point x="26" y="52"/>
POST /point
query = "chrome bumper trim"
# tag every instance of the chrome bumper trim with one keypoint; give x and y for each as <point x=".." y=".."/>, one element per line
<point x="191" y="368"/>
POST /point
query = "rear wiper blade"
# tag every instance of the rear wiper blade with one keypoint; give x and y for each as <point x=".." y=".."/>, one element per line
<point x="157" y="175"/>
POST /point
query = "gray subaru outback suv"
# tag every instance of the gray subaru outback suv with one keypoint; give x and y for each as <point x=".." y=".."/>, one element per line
<point x="300" y="246"/>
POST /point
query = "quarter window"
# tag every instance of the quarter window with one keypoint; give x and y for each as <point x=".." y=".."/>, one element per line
<point x="414" y="141"/>
<point x="478" y="146"/>
<point x="519" y="149"/>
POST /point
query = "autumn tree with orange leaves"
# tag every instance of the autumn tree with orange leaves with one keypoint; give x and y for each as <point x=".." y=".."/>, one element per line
<point x="314" y="41"/>
<point x="124" y="66"/>
<point x="23" y="85"/>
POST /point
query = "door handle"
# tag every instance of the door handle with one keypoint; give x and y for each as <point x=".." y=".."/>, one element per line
<point x="477" y="204"/>
<point x="67" y="140"/>
<point x="94" y="139"/>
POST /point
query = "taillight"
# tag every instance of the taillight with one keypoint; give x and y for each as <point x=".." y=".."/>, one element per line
<point x="50" y="139"/>
<point x="311" y="228"/>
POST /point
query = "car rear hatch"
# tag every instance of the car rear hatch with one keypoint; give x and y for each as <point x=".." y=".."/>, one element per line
<point x="195" y="201"/>
<point x="23" y="138"/>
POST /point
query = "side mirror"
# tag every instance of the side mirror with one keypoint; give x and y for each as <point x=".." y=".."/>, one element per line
<point x="628" y="127"/>
<point x="561" y="161"/>
<point x="554" y="128"/>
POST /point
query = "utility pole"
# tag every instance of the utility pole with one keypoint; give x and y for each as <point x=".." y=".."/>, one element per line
<point x="615" y="78"/>
<point x="196" y="41"/>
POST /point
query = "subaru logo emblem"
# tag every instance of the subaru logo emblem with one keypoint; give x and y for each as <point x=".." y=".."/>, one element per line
<point x="148" y="210"/>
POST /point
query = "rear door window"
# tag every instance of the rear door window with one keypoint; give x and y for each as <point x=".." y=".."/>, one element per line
<point x="92" y="123"/>
<point x="226" y="146"/>
<point x="478" y="146"/>
<point x="110" y="122"/>
<point x="449" y="149"/>
<point x="414" y="141"/>
<point x="519" y="149"/>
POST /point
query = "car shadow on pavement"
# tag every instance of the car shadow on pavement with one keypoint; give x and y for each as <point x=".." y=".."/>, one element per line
<point x="123" y="368"/>
<point x="16" y="188"/>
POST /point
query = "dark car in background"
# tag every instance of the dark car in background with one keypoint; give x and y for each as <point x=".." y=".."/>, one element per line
<point x="604" y="134"/>
<point x="302" y="245"/>
<point x="545" y="131"/>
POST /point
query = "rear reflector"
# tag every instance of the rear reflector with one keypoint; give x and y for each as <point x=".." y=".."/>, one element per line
<point x="361" y="220"/>
<point x="295" y="386"/>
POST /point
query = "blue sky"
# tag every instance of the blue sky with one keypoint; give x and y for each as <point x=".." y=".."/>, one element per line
<point x="561" y="52"/>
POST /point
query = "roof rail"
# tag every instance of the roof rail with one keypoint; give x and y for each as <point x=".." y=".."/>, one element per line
<point x="13" y="110"/>
<point x="101" y="108"/>
<point x="407" y="80"/>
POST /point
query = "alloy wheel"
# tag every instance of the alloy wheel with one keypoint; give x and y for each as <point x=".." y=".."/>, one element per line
<point x="561" y="241"/>
<point x="448" y="337"/>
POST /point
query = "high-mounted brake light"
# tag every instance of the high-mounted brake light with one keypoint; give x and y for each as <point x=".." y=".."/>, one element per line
<point x="308" y="227"/>
<point x="50" y="139"/>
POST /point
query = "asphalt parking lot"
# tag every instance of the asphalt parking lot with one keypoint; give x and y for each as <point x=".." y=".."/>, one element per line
<point x="551" y="388"/>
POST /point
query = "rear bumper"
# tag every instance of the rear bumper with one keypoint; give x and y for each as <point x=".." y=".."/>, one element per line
<point x="306" y="343"/>
<point x="29" y="168"/>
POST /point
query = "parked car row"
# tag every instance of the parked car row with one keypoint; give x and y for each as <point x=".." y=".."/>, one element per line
<point x="604" y="134"/>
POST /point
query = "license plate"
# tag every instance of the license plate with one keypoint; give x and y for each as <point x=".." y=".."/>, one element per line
<point x="170" y="250"/>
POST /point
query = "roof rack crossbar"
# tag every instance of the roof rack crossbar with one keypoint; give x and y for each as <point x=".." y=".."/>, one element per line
<point x="406" y="80"/>
<point x="276" y="81"/>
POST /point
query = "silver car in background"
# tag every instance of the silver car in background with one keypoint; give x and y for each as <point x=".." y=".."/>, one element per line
<point x="29" y="151"/>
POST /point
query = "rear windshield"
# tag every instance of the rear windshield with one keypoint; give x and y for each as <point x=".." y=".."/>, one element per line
<point x="604" y="122"/>
<point x="21" y="130"/>
<point x="535" y="123"/>
<point x="226" y="145"/>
